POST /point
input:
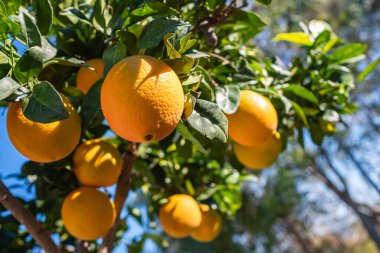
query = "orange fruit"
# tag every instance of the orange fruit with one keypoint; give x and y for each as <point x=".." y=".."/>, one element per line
<point x="142" y="99"/>
<point x="255" y="120"/>
<point x="97" y="163"/>
<point x="261" y="156"/>
<point x="87" y="77"/>
<point x="43" y="142"/>
<point x="87" y="213"/>
<point x="180" y="215"/>
<point x="210" y="226"/>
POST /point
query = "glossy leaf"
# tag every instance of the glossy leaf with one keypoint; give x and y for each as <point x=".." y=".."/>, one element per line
<point x="182" y="129"/>
<point x="154" y="32"/>
<point x="209" y="120"/>
<point x="113" y="55"/>
<point x="228" y="97"/>
<point x="44" y="16"/>
<point x="45" y="105"/>
<point x="29" y="65"/>
<point x="7" y="87"/>
<point x="368" y="70"/>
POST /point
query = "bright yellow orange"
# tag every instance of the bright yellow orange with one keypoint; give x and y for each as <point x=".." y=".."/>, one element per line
<point x="261" y="156"/>
<point x="97" y="163"/>
<point x="43" y="142"/>
<point x="87" y="213"/>
<point x="255" y="120"/>
<point x="180" y="215"/>
<point x="210" y="226"/>
<point x="87" y="77"/>
<point x="142" y="99"/>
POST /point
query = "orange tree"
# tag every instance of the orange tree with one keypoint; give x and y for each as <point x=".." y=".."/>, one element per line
<point x="147" y="95"/>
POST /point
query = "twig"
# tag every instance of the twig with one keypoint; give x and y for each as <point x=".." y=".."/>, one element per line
<point x="81" y="246"/>
<point x="25" y="217"/>
<point x="122" y="189"/>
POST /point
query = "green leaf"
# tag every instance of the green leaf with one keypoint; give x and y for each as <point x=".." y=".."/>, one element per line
<point x="48" y="50"/>
<point x="44" y="16"/>
<point x="45" y="105"/>
<point x="91" y="103"/>
<point x="186" y="43"/>
<point x="248" y="23"/>
<point x="301" y="92"/>
<point x="7" y="26"/>
<point x="171" y="51"/>
<point x="113" y="55"/>
<point x="102" y="16"/>
<point x="30" y="30"/>
<point x="299" y="112"/>
<point x="154" y="32"/>
<point x="322" y="38"/>
<point x="264" y="2"/>
<point x="181" y="66"/>
<point x="74" y="62"/>
<point x="7" y="87"/>
<point x="349" y="53"/>
<point x="209" y="120"/>
<point x="29" y="65"/>
<point x="182" y="129"/>
<point x="75" y="16"/>
<point x="371" y="67"/>
<point x="228" y="97"/>
<point x="296" y="37"/>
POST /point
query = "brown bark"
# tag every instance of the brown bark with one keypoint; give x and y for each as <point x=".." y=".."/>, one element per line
<point x="122" y="190"/>
<point x="25" y="217"/>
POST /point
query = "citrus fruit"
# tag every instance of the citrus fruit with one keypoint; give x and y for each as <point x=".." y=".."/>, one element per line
<point x="97" y="163"/>
<point x="261" y="156"/>
<point x="87" y="77"/>
<point x="142" y="99"/>
<point x="43" y="142"/>
<point x="255" y="120"/>
<point x="87" y="213"/>
<point x="210" y="226"/>
<point x="180" y="215"/>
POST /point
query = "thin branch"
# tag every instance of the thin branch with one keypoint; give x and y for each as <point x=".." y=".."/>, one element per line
<point x="81" y="246"/>
<point x="25" y="217"/>
<point x="122" y="190"/>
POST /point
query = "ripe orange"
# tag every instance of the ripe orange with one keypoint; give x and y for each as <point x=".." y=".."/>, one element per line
<point x="255" y="120"/>
<point x="87" y="213"/>
<point x="43" y="142"/>
<point x="210" y="226"/>
<point x="180" y="215"/>
<point x="87" y="77"/>
<point x="260" y="156"/>
<point x="97" y="163"/>
<point x="142" y="99"/>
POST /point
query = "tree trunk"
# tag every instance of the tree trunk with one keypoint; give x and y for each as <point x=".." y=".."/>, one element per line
<point x="25" y="217"/>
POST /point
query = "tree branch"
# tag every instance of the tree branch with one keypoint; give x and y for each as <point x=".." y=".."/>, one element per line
<point x="25" y="217"/>
<point x="122" y="190"/>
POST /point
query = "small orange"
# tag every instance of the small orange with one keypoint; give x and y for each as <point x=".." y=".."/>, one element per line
<point x="180" y="215"/>
<point x="260" y="156"/>
<point x="210" y="226"/>
<point x="87" y="77"/>
<point x="142" y="99"/>
<point x="255" y="120"/>
<point x="87" y="213"/>
<point x="97" y="163"/>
